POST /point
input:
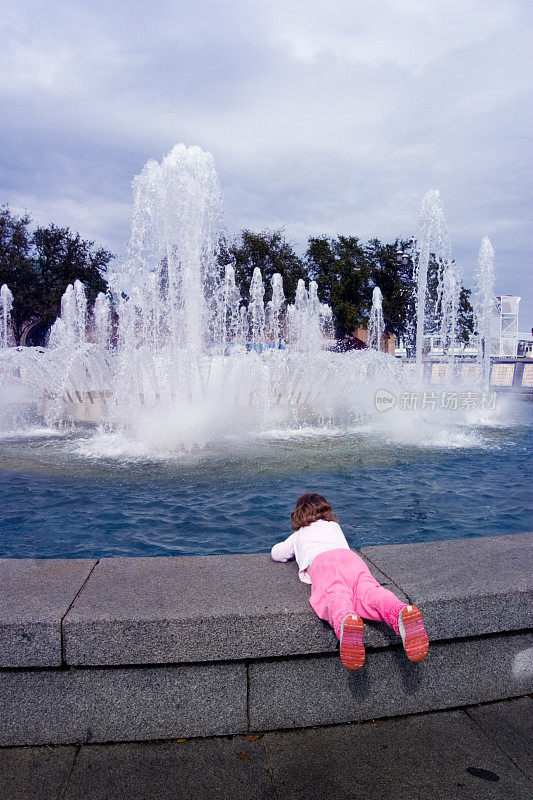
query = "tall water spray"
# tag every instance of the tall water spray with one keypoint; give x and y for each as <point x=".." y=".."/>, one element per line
<point x="432" y="240"/>
<point x="172" y="269"/>
<point x="102" y="320"/>
<point x="6" y="305"/>
<point x="171" y="301"/>
<point x="70" y="327"/>
<point x="308" y="319"/>
<point x="274" y="311"/>
<point x="484" y="303"/>
<point x="171" y="356"/>
<point x="448" y="299"/>
<point x="376" y="323"/>
<point x="256" y="308"/>
<point x="182" y="352"/>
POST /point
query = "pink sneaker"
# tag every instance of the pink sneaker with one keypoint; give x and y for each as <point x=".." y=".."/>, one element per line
<point x="352" y="648"/>
<point x="414" y="637"/>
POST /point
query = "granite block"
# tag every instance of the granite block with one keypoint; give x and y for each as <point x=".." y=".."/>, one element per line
<point x="464" y="587"/>
<point x="34" y="773"/>
<point x="35" y="594"/>
<point x="198" y="608"/>
<point x="318" y="690"/>
<point x="414" y="758"/>
<point x="208" y="769"/>
<point x="510" y="725"/>
<point x="69" y="706"/>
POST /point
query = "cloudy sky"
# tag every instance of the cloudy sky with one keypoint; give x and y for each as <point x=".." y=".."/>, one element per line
<point x="322" y="117"/>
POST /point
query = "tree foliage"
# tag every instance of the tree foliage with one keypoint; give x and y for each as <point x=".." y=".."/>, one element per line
<point x="465" y="312"/>
<point x="391" y="268"/>
<point x="342" y="271"/>
<point x="16" y="267"/>
<point x="348" y="270"/>
<point x="465" y="319"/>
<point x="271" y="252"/>
<point x="38" y="266"/>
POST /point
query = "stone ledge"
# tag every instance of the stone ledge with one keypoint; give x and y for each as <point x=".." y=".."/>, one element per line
<point x="465" y="587"/>
<point x="35" y="594"/>
<point x="198" y="608"/>
<point x="221" y="608"/>
<point x="317" y="690"/>
<point x="260" y="657"/>
<point x="95" y="704"/>
<point x="72" y="706"/>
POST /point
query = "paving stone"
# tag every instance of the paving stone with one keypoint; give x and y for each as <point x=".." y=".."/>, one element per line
<point x="209" y="769"/>
<point x="68" y="706"/>
<point x="415" y="758"/>
<point x="34" y="773"/>
<point x="199" y="608"/>
<point x="510" y="725"/>
<point x="35" y="594"/>
<point x="464" y="587"/>
<point x="318" y="690"/>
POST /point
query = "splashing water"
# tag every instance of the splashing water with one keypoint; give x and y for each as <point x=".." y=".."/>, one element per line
<point x="376" y="324"/>
<point x="179" y="358"/>
<point x="432" y="240"/>
<point x="6" y="304"/>
<point x="484" y="303"/>
<point x="449" y="296"/>
<point x="172" y="358"/>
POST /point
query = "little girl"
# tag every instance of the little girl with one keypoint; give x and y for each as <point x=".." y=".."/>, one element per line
<point x="343" y="589"/>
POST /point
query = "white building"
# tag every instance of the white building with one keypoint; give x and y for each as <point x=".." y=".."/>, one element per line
<point x="504" y="340"/>
<point x="525" y="344"/>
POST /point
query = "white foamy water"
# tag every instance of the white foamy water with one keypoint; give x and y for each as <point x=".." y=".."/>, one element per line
<point x="173" y="359"/>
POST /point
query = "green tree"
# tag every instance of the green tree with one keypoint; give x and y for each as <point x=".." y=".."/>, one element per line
<point x="17" y="268"/>
<point x="391" y="269"/>
<point x="271" y="252"/>
<point x="465" y="312"/>
<point x="38" y="267"/>
<point x="465" y="318"/>
<point x="342" y="270"/>
<point x="61" y="256"/>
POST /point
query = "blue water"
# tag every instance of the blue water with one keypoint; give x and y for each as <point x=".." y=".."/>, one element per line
<point x="59" y="499"/>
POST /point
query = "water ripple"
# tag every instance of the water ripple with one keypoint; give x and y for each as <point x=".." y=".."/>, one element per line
<point x="56" y="502"/>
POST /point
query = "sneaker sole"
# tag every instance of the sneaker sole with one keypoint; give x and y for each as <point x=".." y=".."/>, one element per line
<point x="416" y="639"/>
<point x="352" y="649"/>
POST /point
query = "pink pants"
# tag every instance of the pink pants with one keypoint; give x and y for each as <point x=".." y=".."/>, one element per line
<point x="341" y="584"/>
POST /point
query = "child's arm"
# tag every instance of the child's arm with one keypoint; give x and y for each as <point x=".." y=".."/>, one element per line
<point x="282" y="551"/>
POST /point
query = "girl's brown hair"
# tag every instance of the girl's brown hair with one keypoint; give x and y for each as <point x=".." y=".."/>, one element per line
<point x="309" y="508"/>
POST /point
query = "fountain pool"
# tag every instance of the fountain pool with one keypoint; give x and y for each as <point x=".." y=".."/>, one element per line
<point x="77" y="495"/>
<point x="173" y="418"/>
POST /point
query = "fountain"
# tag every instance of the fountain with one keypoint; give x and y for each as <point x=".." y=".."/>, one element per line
<point x="6" y="304"/>
<point x="484" y="302"/>
<point x="178" y="357"/>
<point x="432" y="241"/>
<point x="172" y="356"/>
<point x="180" y="416"/>
<point x="376" y="324"/>
<point x="449" y="296"/>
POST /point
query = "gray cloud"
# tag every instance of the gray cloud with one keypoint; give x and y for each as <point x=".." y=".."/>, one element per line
<point x="323" y="118"/>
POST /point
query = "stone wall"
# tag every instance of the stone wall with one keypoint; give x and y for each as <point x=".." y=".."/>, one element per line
<point x="161" y="648"/>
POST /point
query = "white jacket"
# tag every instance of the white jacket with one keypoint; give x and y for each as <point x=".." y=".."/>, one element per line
<point x="308" y="542"/>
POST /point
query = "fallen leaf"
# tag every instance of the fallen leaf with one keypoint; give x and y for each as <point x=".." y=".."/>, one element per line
<point x="181" y="740"/>
<point x="243" y="756"/>
<point x="251" y="738"/>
